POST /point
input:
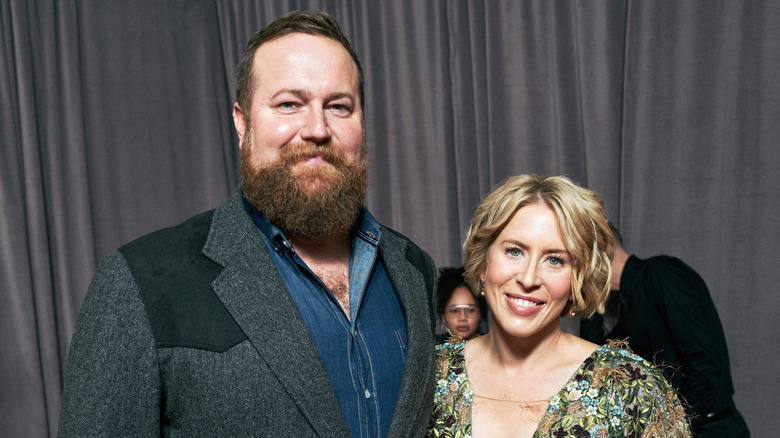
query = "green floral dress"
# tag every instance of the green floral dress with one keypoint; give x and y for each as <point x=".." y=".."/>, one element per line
<point x="613" y="393"/>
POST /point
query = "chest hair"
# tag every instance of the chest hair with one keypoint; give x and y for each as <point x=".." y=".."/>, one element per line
<point x="336" y="279"/>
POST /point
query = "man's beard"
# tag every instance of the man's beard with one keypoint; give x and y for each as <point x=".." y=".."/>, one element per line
<point x="313" y="203"/>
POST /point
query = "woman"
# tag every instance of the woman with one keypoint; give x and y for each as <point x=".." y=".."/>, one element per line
<point x="539" y="248"/>
<point x="459" y="309"/>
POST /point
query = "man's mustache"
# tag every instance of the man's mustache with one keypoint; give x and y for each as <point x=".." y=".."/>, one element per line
<point x="294" y="152"/>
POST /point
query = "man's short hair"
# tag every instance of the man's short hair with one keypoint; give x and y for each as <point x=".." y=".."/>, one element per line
<point x="312" y="23"/>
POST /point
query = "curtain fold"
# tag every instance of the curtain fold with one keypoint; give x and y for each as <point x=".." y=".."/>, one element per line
<point x="116" y="121"/>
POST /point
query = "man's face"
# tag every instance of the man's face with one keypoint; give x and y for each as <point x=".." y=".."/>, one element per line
<point x="302" y="146"/>
<point x="305" y="95"/>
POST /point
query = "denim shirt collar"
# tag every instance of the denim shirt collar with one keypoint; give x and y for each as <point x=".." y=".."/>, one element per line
<point x="368" y="228"/>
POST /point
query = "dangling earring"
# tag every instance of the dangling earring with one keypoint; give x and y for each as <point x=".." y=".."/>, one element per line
<point x="571" y="311"/>
<point x="481" y="287"/>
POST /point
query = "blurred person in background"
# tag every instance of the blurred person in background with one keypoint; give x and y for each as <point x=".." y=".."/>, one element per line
<point x="665" y="311"/>
<point x="461" y="312"/>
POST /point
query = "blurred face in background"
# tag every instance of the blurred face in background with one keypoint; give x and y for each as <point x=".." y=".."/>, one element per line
<point x="462" y="315"/>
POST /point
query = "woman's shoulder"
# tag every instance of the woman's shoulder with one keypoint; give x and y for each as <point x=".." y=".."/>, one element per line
<point x="614" y="367"/>
<point x="449" y="355"/>
<point x="618" y="351"/>
<point x="617" y="389"/>
<point x="648" y="402"/>
<point x="450" y="345"/>
<point x="619" y="358"/>
<point x="453" y="393"/>
<point x="451" y="377"/>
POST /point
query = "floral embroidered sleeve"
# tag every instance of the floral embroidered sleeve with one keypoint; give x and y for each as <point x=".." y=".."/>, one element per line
<point x="615" y="394"/>
<point x="452" y="399"/>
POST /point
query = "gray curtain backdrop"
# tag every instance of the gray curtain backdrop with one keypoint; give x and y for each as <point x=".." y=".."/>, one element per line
<point x="116" y="120"/>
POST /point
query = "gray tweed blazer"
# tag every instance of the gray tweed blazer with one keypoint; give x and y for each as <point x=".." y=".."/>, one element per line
<point x="190" y="332"/>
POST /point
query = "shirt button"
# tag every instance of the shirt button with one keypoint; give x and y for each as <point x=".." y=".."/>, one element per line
<point x="368" y="394"/>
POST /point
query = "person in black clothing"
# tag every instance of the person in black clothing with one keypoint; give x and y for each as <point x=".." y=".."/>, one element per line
<point x="665" y="310"/>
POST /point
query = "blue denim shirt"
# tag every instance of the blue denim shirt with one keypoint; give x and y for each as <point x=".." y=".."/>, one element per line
<point x="364" y="355"/>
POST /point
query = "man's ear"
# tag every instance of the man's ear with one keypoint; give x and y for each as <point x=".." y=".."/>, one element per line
<point x="239" y="121"/>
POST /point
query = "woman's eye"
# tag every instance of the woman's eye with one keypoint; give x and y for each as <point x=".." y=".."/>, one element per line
<point x="556" y="261"/>
<point x="514" y="252"/>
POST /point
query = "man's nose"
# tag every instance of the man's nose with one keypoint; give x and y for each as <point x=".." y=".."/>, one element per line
<point x="316" y="127"/>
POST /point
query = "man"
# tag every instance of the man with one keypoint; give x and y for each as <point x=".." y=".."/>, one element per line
<point x="288" y="310"/>
<point x="664" y="309"/>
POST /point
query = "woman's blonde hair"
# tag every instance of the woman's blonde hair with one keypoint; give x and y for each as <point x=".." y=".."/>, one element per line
<point x="582" y="222"/>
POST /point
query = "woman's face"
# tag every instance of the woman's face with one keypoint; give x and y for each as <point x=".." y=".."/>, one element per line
<point x="528" y="273"/>
<point x="461" y="315"/>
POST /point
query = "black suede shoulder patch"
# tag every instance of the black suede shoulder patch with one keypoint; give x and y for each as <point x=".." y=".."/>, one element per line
<point x="175" y="282"/>
<point x="416" y="256"/>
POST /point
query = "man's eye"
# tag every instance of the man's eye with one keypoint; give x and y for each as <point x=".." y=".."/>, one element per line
<point x="340" y="109"/>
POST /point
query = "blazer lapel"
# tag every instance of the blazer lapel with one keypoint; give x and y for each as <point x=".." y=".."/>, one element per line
<point x="255" y="295"/>
<point x="415" y="396"/>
